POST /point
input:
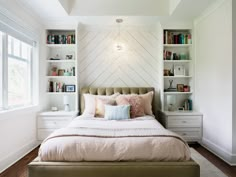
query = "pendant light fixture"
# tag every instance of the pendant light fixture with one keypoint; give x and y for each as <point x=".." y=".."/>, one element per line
<point x="119" y="46"/>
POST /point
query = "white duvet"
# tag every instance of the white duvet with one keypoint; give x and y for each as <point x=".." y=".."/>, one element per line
<point x="98" y="139"/>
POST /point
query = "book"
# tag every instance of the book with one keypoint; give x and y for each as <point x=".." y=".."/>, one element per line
<point x="166" y="36"/>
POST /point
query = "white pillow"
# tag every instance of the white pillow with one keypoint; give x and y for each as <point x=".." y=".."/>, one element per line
<point x="90" y="102"/>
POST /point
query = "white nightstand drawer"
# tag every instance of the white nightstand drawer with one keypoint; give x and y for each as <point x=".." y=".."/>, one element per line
<point x="51" y="122"/>
<point x="47" y="122"/>
<point x="44" y="133"/>
<point x="184" y="121"/>
<point x="188" y="133"/>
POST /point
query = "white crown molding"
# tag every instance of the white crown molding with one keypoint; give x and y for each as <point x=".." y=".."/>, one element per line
<point x="208" y="11"/>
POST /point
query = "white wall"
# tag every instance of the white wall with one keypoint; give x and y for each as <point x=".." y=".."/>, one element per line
<point x="139" y="64"/>
<point x="213" y="35"/>
<point x="234" y="77"/>
<point x="18" y="127"/>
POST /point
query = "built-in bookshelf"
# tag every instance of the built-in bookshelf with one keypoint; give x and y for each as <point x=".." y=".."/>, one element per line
<point x="61" y="62"/>
<point x="178" y="72"/>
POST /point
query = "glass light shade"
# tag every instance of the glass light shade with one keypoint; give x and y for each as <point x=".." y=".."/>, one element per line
<point x="66" y="99"/>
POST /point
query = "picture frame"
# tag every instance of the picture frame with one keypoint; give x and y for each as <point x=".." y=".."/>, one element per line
<point x="61" y="72"/>
<point x="69" y="57"/>
<point x="179" y="70"/>
<point x="180" y="87"/>
<point x="69" y="88"/>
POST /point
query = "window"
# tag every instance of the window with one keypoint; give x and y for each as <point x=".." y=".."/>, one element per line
<point x="1" y="73"/>
<point x="19" y="72"/>
<point x="16" y="76"/>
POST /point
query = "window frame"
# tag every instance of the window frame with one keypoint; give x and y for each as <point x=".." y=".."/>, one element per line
<point x="1" y="70"/>
<point x="4" y="67"/>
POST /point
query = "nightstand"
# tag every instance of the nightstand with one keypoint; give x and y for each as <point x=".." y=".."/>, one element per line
<point x="47" y="122"/>
<point x="187" y="124"/>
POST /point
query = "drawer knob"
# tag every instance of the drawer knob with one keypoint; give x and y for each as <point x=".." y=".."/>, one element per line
<point x="184" y="121"/>
<point x="183" y="134"/>
<point x="55" y="122"/>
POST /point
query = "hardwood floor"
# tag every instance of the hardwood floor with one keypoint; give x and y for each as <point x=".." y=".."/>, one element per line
<point x="19" y="169"/>
<point x="224" y="167"/>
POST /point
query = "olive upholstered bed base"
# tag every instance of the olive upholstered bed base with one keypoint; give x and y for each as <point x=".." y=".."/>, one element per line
<point x="113" y="169"/>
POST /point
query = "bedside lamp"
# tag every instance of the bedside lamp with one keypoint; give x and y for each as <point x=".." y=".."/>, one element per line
<point x="66" y="103"/>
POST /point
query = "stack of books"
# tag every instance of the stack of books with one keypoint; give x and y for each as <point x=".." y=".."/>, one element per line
<point x="172" y="37"/>
<point x="60" y="39"/>
<point x="54" y="86"/>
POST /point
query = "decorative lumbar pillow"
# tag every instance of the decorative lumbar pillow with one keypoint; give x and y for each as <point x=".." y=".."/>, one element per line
<point x="135" y="102"/>
<point x="117" y="112"/>
<point x="100" y="105"/>
<point x="147" y="102"/>
<point x="90" y="102"/>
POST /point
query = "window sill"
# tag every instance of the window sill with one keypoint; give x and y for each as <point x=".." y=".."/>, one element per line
<point x="17" y="110"/>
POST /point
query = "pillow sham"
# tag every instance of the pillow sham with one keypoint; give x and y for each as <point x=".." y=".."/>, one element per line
<point x="147" y="102"/>
<point x="117" y="112"/>
<point x="100" y="105"/>
<point x="135" y="102"/>
<point x="90" y="102"/>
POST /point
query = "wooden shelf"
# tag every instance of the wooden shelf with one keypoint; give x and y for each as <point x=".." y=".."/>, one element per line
<point x="67" y="37"/>
<point x="60" y="77"/>
<point x="60" y="45"/>
<point x="60" y="61"/>
<point x="173" y="77"/>
<point x="177" y="61"/>
<point x="177" y="93"/>
<point x="61" y="93"/>
<point x="177" y="45"/>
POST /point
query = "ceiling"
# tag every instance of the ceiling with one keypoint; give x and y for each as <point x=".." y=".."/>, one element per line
<point x="119" y="7"/>
<point x="105" y="11"/>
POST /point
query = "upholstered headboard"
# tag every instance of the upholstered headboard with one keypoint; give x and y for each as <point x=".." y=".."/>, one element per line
<point x="112" y="90"/>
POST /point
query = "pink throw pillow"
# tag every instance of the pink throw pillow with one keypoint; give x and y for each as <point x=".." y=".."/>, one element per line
<point x="147" y="102"/>
<point x="100" y="105"/>
<point x="135" y="102"/>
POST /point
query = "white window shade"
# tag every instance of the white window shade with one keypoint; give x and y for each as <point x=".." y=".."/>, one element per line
<point x="17" y="32"/>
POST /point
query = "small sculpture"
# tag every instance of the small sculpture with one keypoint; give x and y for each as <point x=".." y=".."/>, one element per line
<point x="171" y="82"/>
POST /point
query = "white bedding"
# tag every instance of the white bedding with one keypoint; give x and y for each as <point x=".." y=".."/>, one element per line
<point x="96" y="139"/>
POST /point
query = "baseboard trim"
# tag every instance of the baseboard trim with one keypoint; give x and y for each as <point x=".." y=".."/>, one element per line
<point x="15" y="156"/>
<point x="227" y="157"/>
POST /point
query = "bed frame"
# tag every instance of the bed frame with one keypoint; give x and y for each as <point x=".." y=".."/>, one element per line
<point x="113" y="169"/>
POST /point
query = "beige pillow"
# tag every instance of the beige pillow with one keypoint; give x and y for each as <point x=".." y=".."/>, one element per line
<point x="147" y="102"/>
<point x="90" y="102"/>
<point x="100" y="105"/>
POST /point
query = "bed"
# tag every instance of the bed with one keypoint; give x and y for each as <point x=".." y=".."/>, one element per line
<point x="106" y="167"/>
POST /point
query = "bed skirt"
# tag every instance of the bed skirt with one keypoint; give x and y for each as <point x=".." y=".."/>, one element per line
<point x="113" y="169"/>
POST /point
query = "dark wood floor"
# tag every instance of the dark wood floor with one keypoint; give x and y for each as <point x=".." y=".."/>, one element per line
<point x="224" y="167"/>
<point x="19" y="169"/>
